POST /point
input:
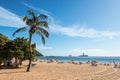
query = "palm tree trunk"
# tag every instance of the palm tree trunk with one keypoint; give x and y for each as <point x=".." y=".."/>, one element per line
<point x="30" y="57"/>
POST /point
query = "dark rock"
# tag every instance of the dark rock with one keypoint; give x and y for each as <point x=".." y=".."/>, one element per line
<point x="38" y="53"/>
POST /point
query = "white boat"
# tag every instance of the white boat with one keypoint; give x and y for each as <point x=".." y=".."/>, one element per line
<point x="83" y="55"/>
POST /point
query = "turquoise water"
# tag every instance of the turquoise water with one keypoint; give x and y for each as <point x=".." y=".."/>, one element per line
<point x="104" y="59"/>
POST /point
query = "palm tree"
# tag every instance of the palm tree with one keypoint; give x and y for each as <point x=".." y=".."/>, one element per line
<point x="35" y="24"/>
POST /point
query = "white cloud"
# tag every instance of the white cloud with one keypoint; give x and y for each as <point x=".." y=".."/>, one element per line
<point x="41" y="47"/>
<point x="77" y="30"/>
<point x="109" y="34"/>
<point x="37" y="9"/>
<point x="90" y="52"/>
<point x="9" y="19"/>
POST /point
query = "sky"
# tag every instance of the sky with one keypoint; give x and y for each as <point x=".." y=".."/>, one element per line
<point x="75" y="26"/>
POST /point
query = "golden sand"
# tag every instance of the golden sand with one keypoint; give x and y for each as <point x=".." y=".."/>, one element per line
<point x="61" y="71"/>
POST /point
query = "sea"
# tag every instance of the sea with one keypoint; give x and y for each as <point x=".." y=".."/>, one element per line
<point x="101" y="59"/>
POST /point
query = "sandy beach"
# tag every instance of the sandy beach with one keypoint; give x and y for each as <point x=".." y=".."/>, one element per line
<point x="61" y="71"/>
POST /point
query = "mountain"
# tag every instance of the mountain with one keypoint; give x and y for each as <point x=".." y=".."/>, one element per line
<point x="1" y="34"/>
<point x="38" y="53"/>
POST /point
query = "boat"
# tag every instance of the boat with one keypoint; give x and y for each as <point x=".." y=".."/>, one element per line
<point x="83" y="55"/>
<point x="70" y="55"/>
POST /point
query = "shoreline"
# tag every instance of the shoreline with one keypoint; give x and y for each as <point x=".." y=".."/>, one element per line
<point x="81" y="59"/>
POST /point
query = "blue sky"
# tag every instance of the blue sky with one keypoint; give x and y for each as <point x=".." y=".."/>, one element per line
<point x="76" y="26"/>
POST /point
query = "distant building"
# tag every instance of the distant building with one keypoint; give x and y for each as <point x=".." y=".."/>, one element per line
<point x="70" y="55"/>
<point x="83" y="55"/>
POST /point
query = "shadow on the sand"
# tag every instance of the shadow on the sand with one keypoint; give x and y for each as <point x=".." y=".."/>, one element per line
<point x="12" y="68"/>
<point x="9" y="67"/>
<point x="12" y="72"/>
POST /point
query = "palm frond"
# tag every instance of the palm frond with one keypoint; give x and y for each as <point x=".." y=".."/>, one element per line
<point x="18" y="30"/>
<point x="24" y="18"/>
<point x="31" y="12"/>
<point x="43" y="16"/>
<point x="29" y="22"/>
<point x="42" y="37"/>
<point x="43" y="31"/>
<point x="35" y="20"/>
<point x="43" y="24"/>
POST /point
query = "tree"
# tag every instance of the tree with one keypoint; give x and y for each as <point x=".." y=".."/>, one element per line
<point x="22" y="45"/>
<point x="3" y="40"/>
<point x="35" y="24"/>
<point x="17" y="49"/>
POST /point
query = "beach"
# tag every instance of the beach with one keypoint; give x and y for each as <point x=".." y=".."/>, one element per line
<point x="43" y="70"/>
